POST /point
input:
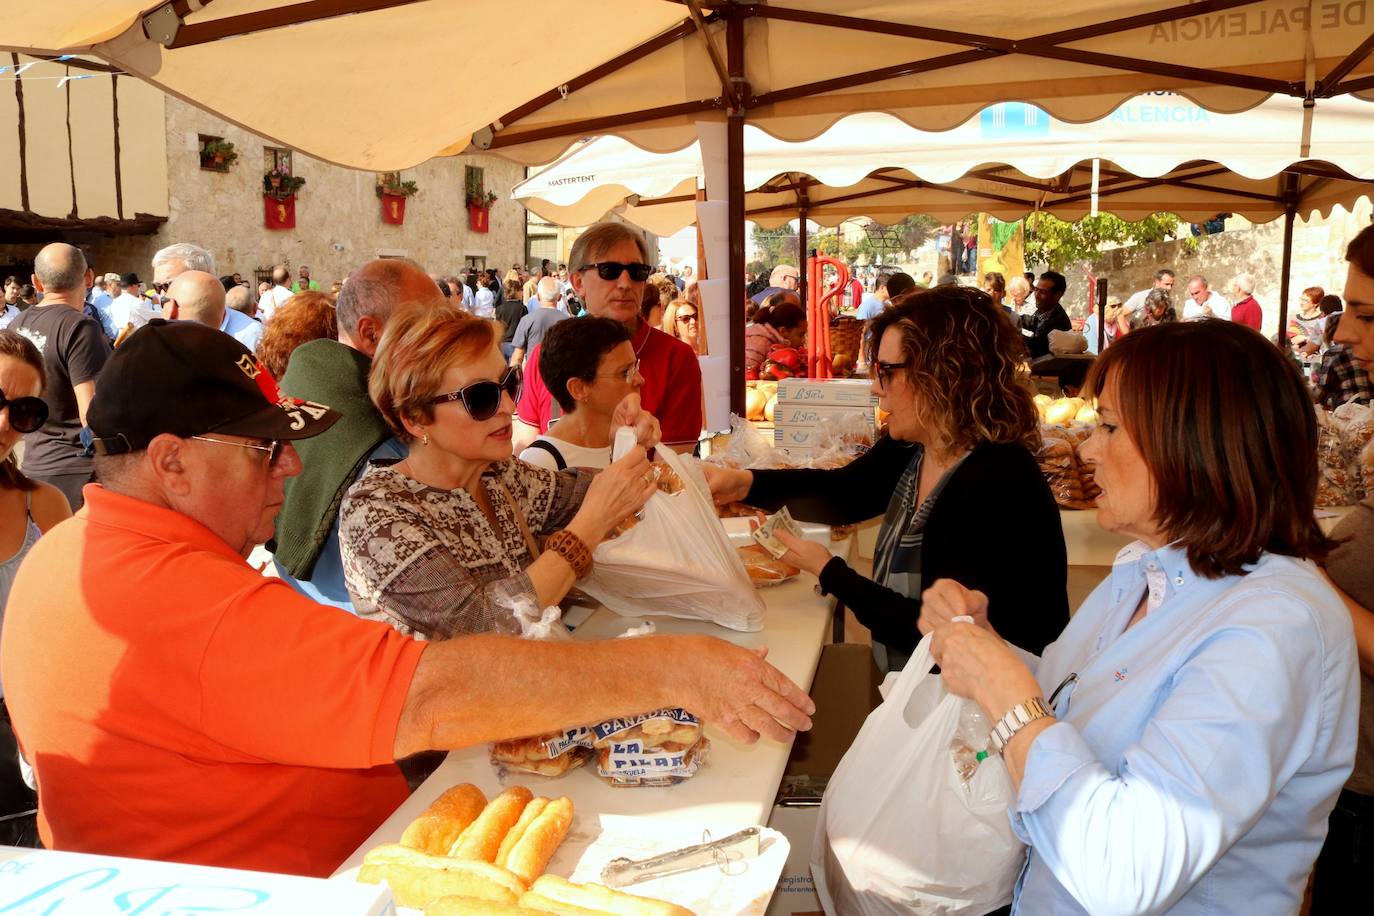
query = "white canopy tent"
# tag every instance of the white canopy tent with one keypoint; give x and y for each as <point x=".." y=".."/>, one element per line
<point x="1014" y="156"/>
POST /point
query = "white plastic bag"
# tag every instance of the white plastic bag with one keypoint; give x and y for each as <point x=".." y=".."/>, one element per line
<point x="677" y="561"/>
<point x="899" y="832"/>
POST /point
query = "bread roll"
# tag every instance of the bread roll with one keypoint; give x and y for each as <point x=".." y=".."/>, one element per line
<point x="530" y="854"/>
<point x="417" y="878"/>
<point x="442" y="822"/>
<point x="552" y="890"/>
<point x="471" y="906"/>
<point x="482" y="838"/>
<point x="541" y="904"/>
<point x="532" y="810"/>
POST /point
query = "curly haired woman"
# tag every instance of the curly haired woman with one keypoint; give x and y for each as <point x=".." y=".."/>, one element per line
<point x="955" y="480"/>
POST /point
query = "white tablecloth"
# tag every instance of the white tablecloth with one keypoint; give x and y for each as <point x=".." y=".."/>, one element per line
<point x="738" y="783"/>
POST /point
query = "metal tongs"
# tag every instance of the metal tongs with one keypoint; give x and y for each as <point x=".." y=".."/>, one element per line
<point x="743" y="845"/>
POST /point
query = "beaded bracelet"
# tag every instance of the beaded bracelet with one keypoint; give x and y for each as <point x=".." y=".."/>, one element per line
<point x="572" y="549"/>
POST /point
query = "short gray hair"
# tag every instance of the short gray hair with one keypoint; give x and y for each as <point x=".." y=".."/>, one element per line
<point x="548" y="289"/>
<point x="375" y="289"/>
<point x="240" y="299"/>
<point x="599" y="239"/>
<point x="1245" y="283"/>
<point x="193" y="256"/>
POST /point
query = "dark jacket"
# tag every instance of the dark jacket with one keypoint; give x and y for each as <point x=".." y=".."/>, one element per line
<point x="994" y="528"/>
<point x="1036" y="329"/>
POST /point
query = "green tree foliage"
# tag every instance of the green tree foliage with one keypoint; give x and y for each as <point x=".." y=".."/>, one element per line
<point x="1050" y="240"/>
<point x="776" y="246"/>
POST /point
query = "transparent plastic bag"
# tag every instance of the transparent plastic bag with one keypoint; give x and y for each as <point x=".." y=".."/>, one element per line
<point x="677" y="561"/>
<point x="524" y="618"/>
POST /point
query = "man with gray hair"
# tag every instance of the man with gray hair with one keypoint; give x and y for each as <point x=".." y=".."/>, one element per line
<point x="530" y="332"/>
<point x="74" y="350"/>
<point x="176" y="259"/>
<point x="331" y="372"/>
<point x="1247" y="309"/>
<point x="609" y="265"/>
<point x="240" y="299"/>
<point x="1205" y="302"/>
<point x="198" y="296"/>
<point x="170" y="264"/>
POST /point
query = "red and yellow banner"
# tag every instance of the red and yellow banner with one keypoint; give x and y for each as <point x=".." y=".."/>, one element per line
<point x="278" y="212"/>
<point x="393" y="209"/>
<point x="479" y="218"/>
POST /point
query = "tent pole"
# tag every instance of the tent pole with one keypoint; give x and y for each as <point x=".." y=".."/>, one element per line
<point x="802" y="241"/>
<point x="1101" y="314"/>
<point x="734" y="146"/>
<point x="1285" y="278"/>
<point x="1290" y="209"/>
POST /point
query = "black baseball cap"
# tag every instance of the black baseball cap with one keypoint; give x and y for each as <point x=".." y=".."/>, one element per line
<point x="130" y="280"/>
<point x="187" y="379"/>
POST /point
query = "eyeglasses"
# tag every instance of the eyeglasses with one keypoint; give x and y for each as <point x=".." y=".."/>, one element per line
<point x="628" y="375"/>
<point x="686" y="318"/>
<point x="274" y="448"/>
<point x="27" y="415"/>
<point x="161" y="287"/>
<point x="611" y="270"/>
<point x="884" y="372"/>
<point x="483" y="399"/>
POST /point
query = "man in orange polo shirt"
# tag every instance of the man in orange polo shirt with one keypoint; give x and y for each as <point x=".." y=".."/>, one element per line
<point x="177" y="705"/>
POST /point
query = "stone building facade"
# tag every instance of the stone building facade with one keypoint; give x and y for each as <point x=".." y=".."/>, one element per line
<point x="338" y="213"/>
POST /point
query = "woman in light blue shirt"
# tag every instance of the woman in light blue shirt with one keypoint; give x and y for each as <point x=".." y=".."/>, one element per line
<point x="1179" y="748"/>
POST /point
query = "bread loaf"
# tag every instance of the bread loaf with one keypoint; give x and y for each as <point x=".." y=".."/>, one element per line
<point x="482" y="838"/>
<point x="532" y="810"/>
<point x="417" y="878"/>
<point x="471" y="906"/>
<point x="442" y="822"/>
<point x="536" y="844"/>
<point x="558" y="895"/>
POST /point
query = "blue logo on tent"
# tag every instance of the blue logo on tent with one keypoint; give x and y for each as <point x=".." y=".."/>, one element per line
<point x="1013" y="119"/>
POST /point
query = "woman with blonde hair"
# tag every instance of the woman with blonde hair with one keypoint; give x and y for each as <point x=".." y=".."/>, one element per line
<point x="954" y="470"/>
<point x="682" y="319"/>
<point x="440" y="543"/>
<point x="308" y="315"/>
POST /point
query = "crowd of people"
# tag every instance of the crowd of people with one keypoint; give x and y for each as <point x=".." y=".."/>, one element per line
<point x="422" y="455"/>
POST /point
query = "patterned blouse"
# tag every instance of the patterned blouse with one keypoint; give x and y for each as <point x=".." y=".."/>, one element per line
<point x="430" y="563"/>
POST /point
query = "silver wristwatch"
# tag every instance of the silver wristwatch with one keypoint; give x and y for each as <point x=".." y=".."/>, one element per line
<point x="1017" y="718"/>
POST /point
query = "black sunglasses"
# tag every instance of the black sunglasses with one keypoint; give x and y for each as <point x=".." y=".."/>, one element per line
<point x="611" y="270"/>
<point x="27" y="415"/>
<point x="483" y="399"/>
<point x="884" y="372"/>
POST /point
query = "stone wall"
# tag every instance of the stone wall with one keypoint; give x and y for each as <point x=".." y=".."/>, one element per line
<point x="1318" y="260"/>
<point x="338" y="214"/>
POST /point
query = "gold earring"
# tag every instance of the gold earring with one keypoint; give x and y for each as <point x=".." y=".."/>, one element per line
<point x="424" y="438"/>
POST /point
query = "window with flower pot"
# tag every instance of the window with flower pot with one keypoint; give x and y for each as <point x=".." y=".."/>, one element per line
<point x="275" y="158"/>
<point x="216" y="153"/>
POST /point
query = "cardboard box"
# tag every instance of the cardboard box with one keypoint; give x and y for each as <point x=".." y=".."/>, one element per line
<point x="806" y="414"/>
<point x="835" y="392"/>
<point x="795" y="894"/>
<point x="41" y="880"/>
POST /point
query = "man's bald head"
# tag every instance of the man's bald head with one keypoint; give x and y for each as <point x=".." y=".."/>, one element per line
<point x="240" y="299"/>
<point x="198" y="296"/>
<point x="373" y="292"/>
<point x="60" y="269"/>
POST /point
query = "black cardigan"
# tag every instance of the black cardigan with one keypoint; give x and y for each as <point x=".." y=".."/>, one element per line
<point x="994" y="528"/>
